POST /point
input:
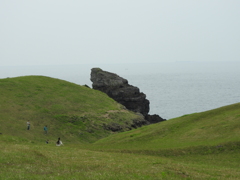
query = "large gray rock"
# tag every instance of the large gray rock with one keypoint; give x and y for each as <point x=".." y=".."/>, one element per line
<point x="118" y="88"/>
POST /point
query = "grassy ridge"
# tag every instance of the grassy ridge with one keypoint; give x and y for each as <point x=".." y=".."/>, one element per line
<point x="70" y="111"/>
<point x="211" y="128"/>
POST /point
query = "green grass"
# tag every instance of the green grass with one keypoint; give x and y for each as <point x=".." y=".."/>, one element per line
<point x="46" y="161"/>
<point x="209" y="128"/>
<point x="197" y="146"/>
<point x="70" y="111"/>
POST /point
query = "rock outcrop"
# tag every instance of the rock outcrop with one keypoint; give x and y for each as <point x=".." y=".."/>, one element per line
<point x="118" y="88"/>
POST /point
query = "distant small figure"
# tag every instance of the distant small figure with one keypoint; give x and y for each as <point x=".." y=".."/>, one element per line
<point x="45" y="130"/>
<point x="59" y="142"/>
<point x="28" y="125"/>
<point x="47" y="141"/>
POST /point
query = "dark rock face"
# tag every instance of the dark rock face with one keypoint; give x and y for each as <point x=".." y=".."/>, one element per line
<point x="154" y="118"/>
<point x="118" y="88"/>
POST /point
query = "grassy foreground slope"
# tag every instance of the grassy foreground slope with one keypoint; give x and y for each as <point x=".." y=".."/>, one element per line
<point x="197" y="146"/>
<point x="70" y="111"/>
<point x="211" y="128"/>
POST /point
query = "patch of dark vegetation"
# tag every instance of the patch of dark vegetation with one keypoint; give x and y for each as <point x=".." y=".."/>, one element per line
<point x="115" y="127"/>
<point x="90" y="130"/>
<point x="76" y="120"/>
<point x="139" y="123"/>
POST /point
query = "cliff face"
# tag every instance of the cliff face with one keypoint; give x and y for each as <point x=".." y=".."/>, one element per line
<point x="118" y="88"/>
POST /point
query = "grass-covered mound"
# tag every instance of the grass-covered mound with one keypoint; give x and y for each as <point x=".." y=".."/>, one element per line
<point x="72" y="112"/>
<point x="213" y="129"/>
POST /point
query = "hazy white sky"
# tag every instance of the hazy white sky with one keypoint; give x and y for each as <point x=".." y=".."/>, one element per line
<point x="115" y="31"/>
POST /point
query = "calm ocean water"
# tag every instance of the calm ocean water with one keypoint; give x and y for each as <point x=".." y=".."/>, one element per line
<point x="173" y="89"/>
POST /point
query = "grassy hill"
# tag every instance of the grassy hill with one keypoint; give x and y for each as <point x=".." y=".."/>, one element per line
<point x="197" y="146"/>
<point x="211" y="128"/>
<point x="72" y="112"/>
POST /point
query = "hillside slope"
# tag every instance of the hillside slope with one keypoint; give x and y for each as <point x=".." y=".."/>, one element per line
<point x="210" y="128"/>
<point x="70" y="111"/>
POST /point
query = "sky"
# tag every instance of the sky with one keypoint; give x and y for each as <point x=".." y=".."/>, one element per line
<point x="50" y="32"/>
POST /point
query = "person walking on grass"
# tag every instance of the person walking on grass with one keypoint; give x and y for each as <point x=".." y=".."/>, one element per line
<point x="59" y="142"/>
<point x="28" y="125"/>
<point x="45" y="130"/>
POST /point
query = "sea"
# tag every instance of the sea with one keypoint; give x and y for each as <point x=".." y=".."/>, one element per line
<point x="174" y="89"/>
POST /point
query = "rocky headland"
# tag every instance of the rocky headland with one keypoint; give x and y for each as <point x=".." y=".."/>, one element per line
<point x="129" y="96"/>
